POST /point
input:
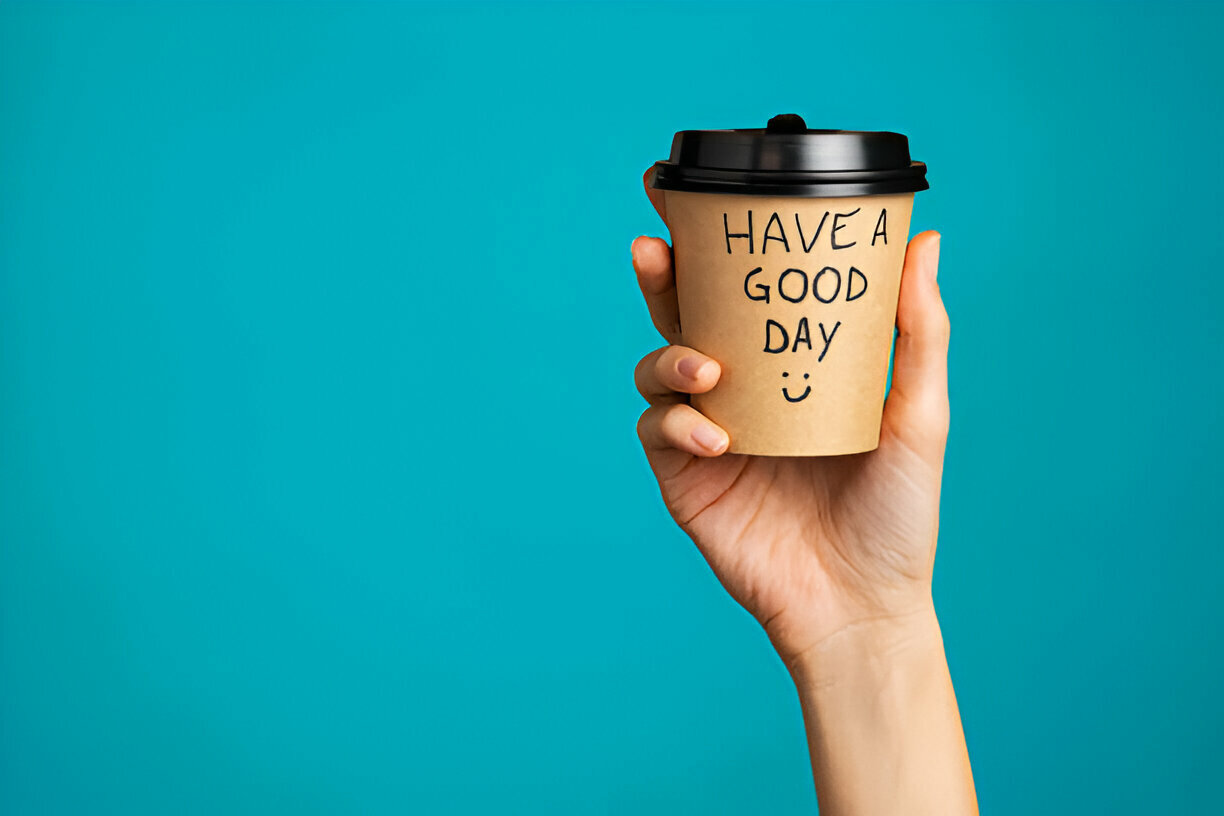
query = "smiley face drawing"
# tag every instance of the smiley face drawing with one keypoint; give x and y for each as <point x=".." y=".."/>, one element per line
<point x="807" y="389"/>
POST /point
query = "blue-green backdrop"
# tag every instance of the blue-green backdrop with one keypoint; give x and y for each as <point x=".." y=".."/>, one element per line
<point x="319" y="487"/>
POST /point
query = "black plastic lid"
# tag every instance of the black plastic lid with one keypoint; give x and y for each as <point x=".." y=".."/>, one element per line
<point x="787" y="159"/>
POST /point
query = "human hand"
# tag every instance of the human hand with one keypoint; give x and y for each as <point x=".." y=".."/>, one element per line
<point x="811" y="546"/>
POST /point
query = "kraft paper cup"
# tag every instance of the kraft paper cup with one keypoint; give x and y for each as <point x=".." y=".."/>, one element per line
<point x="788" y="247"/>
<point x="802" y="324"/>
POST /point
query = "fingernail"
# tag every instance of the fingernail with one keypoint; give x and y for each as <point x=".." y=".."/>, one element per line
<point x="935" y="266"/>
<point x="633" y="250"/>
<point x="692" y="367"/>
<point x="710" y="438"/>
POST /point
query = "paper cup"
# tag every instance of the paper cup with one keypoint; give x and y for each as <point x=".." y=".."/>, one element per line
<point x="795" y="295"/>
<point x="803" y="336"/>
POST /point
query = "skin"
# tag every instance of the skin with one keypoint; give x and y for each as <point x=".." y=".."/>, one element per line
<point x="832" y="555"/>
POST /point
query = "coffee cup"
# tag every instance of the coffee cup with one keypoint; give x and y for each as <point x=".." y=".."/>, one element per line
<point x="788" y="246"/>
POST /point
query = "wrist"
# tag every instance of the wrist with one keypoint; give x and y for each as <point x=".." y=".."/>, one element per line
<point x="882" y="721"/>
<point x="867" y="651"/>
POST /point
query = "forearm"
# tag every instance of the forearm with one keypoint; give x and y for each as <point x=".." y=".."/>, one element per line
<point x="882" y="723"/>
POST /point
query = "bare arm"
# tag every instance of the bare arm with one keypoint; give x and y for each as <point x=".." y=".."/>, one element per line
<point x="883" y="728"/>
<point x="833" y="555"/>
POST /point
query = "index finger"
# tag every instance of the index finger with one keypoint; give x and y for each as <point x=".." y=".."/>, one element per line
<point x="652" y="261"/>
<point x="655" y="195"/>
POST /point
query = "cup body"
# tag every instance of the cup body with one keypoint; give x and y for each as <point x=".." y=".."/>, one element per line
<point x="796" y="298"/>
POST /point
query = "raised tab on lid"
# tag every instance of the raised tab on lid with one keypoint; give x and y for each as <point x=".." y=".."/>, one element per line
<point x="786" y="123"/>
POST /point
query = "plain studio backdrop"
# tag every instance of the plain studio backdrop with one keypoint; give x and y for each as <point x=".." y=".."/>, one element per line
<point x="319" y="486"/>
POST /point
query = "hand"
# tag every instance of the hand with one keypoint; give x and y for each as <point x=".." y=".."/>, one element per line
<point x="814" y="546"/>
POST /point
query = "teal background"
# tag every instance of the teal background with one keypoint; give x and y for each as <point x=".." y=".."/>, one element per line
<point x="319" y="486"/>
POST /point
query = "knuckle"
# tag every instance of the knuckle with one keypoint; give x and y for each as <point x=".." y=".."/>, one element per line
<point x="673" y="421"/>
<point x="639" y="374"/>
<point x="646" y="422"/>
<point x="644" y="370"/>
<point x="665" y="363"/>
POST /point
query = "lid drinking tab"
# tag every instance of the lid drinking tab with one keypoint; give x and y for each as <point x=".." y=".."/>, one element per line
<point x="786" y="123"/>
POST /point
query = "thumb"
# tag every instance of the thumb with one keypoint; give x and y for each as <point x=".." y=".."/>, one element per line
<point x="917" y="408"/>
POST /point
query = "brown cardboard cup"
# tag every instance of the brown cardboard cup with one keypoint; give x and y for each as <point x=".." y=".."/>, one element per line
<point x="803" y="330"/>
<point x="788" y="247"/>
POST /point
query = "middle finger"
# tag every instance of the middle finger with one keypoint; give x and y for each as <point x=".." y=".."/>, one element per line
<point x="665" y="375"/>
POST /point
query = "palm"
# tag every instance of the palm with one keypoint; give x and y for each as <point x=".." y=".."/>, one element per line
<point x="820" y="540"/>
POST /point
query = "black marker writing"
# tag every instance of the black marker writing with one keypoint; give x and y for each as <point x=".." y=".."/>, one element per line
<point x="730" y="234"/>
<point x="775" y="231"/>
<point x="837" y="226"/>
<point x="770" y="325"/>
<point x="778" y="339"/>
<point x="790" y="273"/>
<point x="774" y="219"/>
<point x="760" y="287"/>
<point x="802" y="335"/>
<point x="881" y="230"/>
<point x="828" y="338"/>
<point x="836" y="286"/>
<point x="794" y="284"/>
<point x="806" y="246"/>
<point x="850" y="285"/>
